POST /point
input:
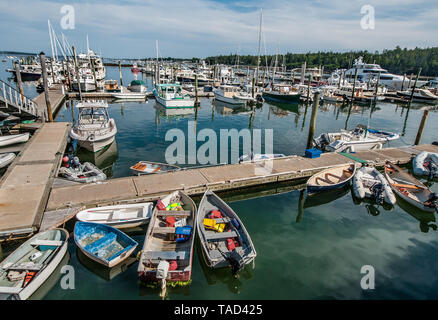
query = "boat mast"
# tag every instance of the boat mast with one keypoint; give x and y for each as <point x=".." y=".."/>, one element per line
<point x="157" y="75"/>
<point x="51" y="39"/>
<point x="258" y="52"/>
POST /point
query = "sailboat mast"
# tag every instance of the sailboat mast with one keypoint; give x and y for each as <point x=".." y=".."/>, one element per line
<point x="258" y="52"/>
<point x="51" y="39"/>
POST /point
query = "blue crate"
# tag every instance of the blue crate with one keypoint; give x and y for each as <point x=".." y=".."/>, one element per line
<point x="313" y="153"/>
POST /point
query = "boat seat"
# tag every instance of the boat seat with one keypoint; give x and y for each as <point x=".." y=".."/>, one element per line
<point x="168" y="213"/>
<point x="218" y="236"/>
<point x="166" y="255"/>
<point x="26" y="266"/>
<point x="222" y="220"/>
<point x="164" y="230"/>
<point x="39" y="242"/>
<point x="101" y="243"/>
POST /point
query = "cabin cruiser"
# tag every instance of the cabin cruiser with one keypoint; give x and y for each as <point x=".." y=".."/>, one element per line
<point x="420" y="95"/>
<point x="170" y="95"/>
<point x="370" y="71"/>
<point x="86" y="81"/>
<point x="94" y="129"/>
<point x="359" y="139"/>
<point x="231" y="94"/>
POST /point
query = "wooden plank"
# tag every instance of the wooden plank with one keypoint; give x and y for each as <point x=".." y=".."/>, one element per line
<point x="165" y="213"/>
<point x="218" y="236"/>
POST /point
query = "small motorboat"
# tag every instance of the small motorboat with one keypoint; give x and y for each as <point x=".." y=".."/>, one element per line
<point x="6" y="159"/>
<point x="410" y="189"/>
<point x="359" y="139"/>
<point x="426" y="164"/>
<point x="30" y="265"/>
<point x="148" y="167"/>
<point x="13" y="139"/>
<point x="103" y="244"/>
<point x="330" y="179"/>
<point x="83" y="173"/>
<point x="368" y="182"/>
<point x="224" y="239"/>
<point x="260" y="157"/>
<point x="119" y="216"/>
<point x="138" y="86"/>
<point x="167" y="253"/>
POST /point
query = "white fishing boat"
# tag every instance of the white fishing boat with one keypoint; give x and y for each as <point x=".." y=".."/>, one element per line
<point x="6" y="159"/>
<point x="138" y="86"/>
<point x="129" y="95"/>
<point x="368" y="182"/>
<point x="231" y="94"/>
<point x="426" y="164"/>
<point x="149" y="167"/>
<point x="28" y="267"/>
<point x="410" y="189"/>
<point x="359" y="139"/>
<point x="119" y="216"/>
<point x="170" y="95"/>
<point x="94" y="128"/>
<point x="13" y="139"/>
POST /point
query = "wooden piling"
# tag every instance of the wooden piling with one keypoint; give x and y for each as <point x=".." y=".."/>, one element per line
<point x="19" y="82"/>
<point x="69" y="80"/>
<point x="354" y="85"/>
<point x="77" y="72"/>
<point x="253" y="87"/>
<point x="413" y="88"/>
<point x="313" y="120"/>
<point x="308" y="88"/>
<point x="421" y="128"/>
<point x="46" y="87"/>
<point x="120" y="73"/>
<point x="196" y="92"/>
<point x="377" y="88"/>
<point x="403" y="83"/>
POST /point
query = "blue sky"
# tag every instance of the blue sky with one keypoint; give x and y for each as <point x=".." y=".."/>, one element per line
<point x="200" y="28"/>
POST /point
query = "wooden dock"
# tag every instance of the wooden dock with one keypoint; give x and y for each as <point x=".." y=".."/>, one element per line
<point x="56" y="96"/>
<point x="25" y="186"/>
<point x="217" y="178"/>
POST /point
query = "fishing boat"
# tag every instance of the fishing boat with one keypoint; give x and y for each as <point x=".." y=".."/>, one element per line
<point x="122" y="216"/>
<point x="359" y="139"/>
<point x="94" y="128"/>
<point x="426" y="164"/>
<point x="331" y="178"/>
<point x="282" y="93"/>
<point x="102" y="243"/>
<point x="123" y="95"/>
<point x="6" y="159"/>
<point x="368" y="182"/>
<point x="410" y="189"/>
<point x="83" y="173"/>
<point x="167" y="254"/>
<point x="28" y="267"/>
<point x="13" y="139"/>
<point x="231" y="94"/>
<point x="260" y="157"/>
<point x="149" y="167"/>
<point x="138" y="86"/>
<point x="170" y="96"/>
<point x="224" y="239"/>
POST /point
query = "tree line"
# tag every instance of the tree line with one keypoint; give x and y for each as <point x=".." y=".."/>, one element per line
<point x="397" y="61"/>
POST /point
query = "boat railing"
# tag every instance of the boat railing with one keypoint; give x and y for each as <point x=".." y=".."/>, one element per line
<point x="12" y="97"/>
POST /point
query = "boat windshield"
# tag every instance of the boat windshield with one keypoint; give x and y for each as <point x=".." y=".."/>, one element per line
<point x="93" y="115"/>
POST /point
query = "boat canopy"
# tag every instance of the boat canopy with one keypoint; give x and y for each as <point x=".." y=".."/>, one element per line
<point x="92" y="104"/>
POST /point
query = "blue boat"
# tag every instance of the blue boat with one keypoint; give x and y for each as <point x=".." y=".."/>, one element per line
<point x="103" y="244"/>
<point x="331" y="179"/>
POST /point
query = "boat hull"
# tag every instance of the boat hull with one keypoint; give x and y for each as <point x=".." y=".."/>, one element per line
<point x="288" y="98"/>
<point x="174" y="103"/>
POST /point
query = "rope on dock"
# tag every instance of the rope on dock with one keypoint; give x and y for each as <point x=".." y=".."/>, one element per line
<point x="348" y="155"/>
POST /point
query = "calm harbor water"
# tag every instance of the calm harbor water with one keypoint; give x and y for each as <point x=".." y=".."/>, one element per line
<point x="307" y="248"/>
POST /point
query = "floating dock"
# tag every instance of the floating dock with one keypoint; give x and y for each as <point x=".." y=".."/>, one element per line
<point x="25" y="186"/>
<point x="217" y="178"/>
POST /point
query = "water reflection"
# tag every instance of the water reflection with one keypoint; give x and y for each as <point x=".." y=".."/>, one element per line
<point x="427" y="219"/>
<point x="104" y="159"/>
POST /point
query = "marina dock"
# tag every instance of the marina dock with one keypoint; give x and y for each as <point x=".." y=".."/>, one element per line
<point x="217" y="178"/>
<point x="25" y="187"/>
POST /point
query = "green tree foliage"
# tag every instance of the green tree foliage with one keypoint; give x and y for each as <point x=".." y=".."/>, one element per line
<point x="398" y="60"/>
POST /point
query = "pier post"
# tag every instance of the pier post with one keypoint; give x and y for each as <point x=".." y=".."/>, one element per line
<point x="308" y="88"/>
<point x="420" y="129"/>
<point x="354" y="85"/>
<point x="313" y="120"/>
<point x="403" y="83"/>
<point x="410" y="79"/>
<point x="253" y="86"/>
<point x="19" y="82"/>
<point x="413" y="88"/>
<point x="78" y="79"/>
<point x="69" y="80"/>
<point x="46" y="88"/>
<point x="53" y="71"/>
<point x="120" y="73"/>
<point x="196" y="92"/>
<point x="377" y="88"/>
<point x="94" y="73"/>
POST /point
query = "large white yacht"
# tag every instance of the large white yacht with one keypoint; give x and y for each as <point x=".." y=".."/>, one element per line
<point x="370" y="71"/>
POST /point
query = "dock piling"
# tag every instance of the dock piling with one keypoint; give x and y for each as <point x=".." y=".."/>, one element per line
<point x="19" y="82"/>
<point x="313" y="120"/>
<point x="46" y="88"/>
<point x="421" y="128"/>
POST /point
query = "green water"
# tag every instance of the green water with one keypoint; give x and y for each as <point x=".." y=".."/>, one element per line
<point x="307" y="249"/>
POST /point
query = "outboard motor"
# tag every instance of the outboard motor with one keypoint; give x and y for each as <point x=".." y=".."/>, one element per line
<point x="75" y="162"/>
<point x="236" y="262"/>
